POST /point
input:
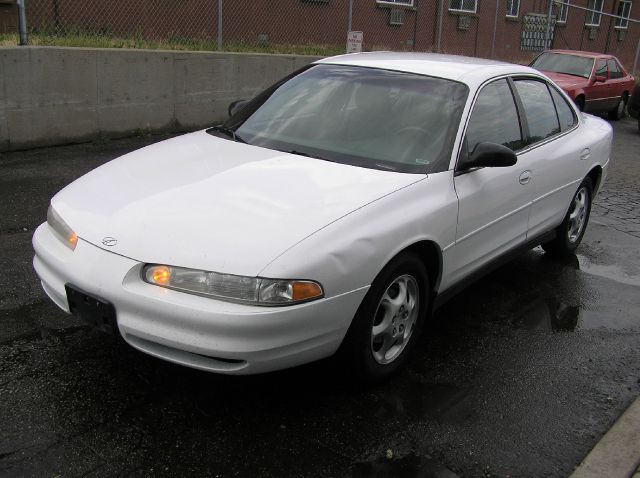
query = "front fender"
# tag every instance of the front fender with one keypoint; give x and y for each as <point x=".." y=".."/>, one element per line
<point x="349" y="253"/>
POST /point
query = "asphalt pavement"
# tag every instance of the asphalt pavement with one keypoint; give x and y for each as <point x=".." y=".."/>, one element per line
<point x="519" y="375"/>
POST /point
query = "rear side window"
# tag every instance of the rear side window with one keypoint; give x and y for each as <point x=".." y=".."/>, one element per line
<point x="494" y="118"/>
<point x="539" y="109"/>
<point x="614" y="69"/>
<point x="565" y="113"/>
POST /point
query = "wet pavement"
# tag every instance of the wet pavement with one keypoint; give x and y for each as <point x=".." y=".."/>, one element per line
<point x="520" y="375"/>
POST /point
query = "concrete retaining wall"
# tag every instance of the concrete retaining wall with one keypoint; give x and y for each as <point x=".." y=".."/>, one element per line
<point x="51" y="95"/>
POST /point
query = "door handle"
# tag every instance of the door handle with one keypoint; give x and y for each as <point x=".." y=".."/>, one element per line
<point x="525" y="177"/>
<point x="586" y="152"/>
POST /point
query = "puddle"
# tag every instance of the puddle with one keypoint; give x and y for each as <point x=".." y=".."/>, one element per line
<point x="553" y="315"/>
<point x="412" y="400"/>
<point x="608" y="271"/>
<point x="409" y="466"/>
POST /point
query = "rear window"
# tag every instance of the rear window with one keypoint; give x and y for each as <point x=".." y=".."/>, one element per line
<point x="565" y="113"/>
<point x="538" y="109"/>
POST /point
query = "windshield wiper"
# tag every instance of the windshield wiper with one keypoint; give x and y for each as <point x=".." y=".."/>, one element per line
<point x="306" y="155"/>
<point x="229" y="132"/>
<point x="571" y="74"/>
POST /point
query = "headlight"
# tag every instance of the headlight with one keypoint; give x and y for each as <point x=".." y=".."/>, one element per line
<point x="253" y="290"/>
<point x="64" y="232"/>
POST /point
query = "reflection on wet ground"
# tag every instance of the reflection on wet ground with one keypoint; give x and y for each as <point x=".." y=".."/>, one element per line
<point x="614" y="272"/>
<point x="409" y="466"/>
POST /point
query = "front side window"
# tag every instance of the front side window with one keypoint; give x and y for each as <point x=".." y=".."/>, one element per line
<point x="601" y="68"/>
<point x="539" y="109"/>
<point x="513" y="8"/>
<point x="564" y="63"/>
<point x="463" y="5"/>
<point x="563" y="12"/>
<point x="614" y="69"/>
<point x="366" y="117"/>
<point x="624" y="11"/>
<point x="592" y="18"/>
<point x="565" y="113"/>
<point x="494" y="118"/>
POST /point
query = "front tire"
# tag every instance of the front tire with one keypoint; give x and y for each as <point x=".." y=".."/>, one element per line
<point x="388" y="322"/>
<point x="569" y="234"/>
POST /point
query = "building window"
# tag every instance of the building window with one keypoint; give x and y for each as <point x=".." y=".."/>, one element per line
<point x="470" y="6"/>
<point x="563" y="12"/>
<point x="624" y="10"/>
<point x="513" y="8"/>
<point x="404" y="3"/>
<point x="592" y="19"/>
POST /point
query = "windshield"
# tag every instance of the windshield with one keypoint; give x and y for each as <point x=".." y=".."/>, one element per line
<point x="353" y="115"/>
<point x="563" y="63"/>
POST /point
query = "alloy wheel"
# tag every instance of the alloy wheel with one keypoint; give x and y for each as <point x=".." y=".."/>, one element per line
<point x="395" y="319"/>
<point x="578" y="215"/>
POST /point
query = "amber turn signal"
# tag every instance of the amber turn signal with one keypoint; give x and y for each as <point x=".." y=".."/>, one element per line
<point x="159" y="275"/>
<point x="306" y="291"/>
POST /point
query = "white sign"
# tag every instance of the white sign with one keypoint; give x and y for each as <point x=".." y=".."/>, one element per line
<point x="354" y="42"/>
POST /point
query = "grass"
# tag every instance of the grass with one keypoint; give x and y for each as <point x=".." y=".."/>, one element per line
<point x="86" y="40"/>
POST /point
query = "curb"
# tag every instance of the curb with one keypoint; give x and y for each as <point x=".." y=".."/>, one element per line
<point x="617" y="454"/>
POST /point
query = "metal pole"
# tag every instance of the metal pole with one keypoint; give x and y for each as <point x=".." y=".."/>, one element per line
<point x="495" y="28"/>
<point x="439" y="35"/>
<point x="547" y="34"/>
<point x="635" y="62"/>
<point x="219" y="41"/>
<point x="350" y="16"/>
<point x="22" y="23"/>
<point x="415" y="25"/>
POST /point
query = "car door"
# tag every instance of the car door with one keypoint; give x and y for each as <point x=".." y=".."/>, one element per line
<point x="597" y="96"/>
<point x="616" y="79"/>
<point x="551" y="152"/>
<point x="493" y="203"/>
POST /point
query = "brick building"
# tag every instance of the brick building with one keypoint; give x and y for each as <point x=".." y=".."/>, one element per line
<point x="511" y="30"/>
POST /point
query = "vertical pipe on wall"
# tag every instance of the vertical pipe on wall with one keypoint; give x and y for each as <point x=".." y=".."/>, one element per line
<point x="415" y="24"/>
<point x="219" y="40"/>
<point x="439" y="35"/>
<point x="495" y="28"/>
<point x="350" y="16"/>
<point x="22" y="23"/>
<point x="635" y="61"/>
<point x="547" y="33"/>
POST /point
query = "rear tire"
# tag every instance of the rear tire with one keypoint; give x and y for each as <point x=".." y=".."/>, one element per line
<point x="618" y="112"/>
<point x="580" y="103"/>
<point x="388" y="322"/>
<point x="569" y="234"/>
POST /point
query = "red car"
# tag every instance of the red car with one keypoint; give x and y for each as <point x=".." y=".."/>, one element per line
<point x="596" y="82"/>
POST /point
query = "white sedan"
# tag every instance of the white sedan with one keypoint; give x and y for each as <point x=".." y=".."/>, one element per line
<point x="330" y="214"/>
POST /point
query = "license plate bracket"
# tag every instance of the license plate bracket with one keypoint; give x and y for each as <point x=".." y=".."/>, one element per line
<point x="94" y="310"/>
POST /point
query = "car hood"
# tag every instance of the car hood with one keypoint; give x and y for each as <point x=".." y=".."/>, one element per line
<point x="567" y="81"/>
<point x="209" y="203"/>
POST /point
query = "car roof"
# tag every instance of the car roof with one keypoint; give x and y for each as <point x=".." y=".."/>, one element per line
<point x="588" y="54"/>
<point x="468" y="70"/>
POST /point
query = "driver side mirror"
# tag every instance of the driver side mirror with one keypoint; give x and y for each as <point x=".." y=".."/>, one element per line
<point x="600" y="79"/>
<point x="490" y="155"/>
<point x="236" y="106"/>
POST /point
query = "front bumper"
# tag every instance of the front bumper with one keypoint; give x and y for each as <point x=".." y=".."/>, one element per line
<point x="190" y="330"/>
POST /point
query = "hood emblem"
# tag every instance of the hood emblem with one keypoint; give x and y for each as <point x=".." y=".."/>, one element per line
<point x="109" y="241"/>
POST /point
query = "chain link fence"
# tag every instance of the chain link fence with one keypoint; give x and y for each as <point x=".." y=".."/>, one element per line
<point x="511" y="30"/>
